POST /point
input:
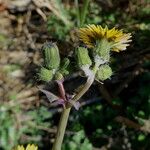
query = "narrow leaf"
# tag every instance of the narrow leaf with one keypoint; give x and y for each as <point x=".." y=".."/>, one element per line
<point x="51" y="97"/>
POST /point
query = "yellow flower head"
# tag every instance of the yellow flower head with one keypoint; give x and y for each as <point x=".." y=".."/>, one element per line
<point x="94" y="33"/>
<point x="29" y="147"/>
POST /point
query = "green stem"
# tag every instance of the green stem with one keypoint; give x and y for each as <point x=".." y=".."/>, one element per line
<point x="61" y="129"/>
<point x="65" y="114"/>
<point x="86" y="86"/>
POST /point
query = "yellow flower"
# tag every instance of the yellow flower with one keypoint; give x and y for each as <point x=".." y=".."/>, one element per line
<point x="92" y="34"/>
<point x="29" y="147"/>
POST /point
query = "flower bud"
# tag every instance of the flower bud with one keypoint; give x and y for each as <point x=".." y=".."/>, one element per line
<point x="58" y="76"/>
<point x="83" y="58"/>
<point x="104" y="72"/>
<point x="45" y="74"/>
<point x="103" y="49"/>
<point x="51" y="55"/>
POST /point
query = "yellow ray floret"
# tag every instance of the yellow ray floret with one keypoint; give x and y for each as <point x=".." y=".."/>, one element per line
<point x="29" y="147"/>
<point x="92" y="33"/>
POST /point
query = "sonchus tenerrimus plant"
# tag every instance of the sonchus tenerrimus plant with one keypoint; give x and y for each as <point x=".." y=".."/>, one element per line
<point x="92" y="59"/>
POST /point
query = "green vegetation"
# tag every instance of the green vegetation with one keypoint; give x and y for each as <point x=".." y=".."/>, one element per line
<point x="115" y="115"/>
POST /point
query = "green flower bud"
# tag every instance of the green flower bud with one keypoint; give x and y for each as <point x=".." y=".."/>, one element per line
<point x="104" y="72"/>
<point x="51" y="55"/>
<point x="45" y="74"/>
<point x="58" y="76"/>
<point x="83" y="58"/>
<point x="103" y="49"/>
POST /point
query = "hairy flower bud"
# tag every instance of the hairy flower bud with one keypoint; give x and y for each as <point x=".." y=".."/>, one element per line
<point x="51" y="55"/>
<point x="58" y="76"/>
<point x="45" y="74"/>
<point x="83" y="58"/>
<point x="103" y="49"/>
<point x="104" y="72"/>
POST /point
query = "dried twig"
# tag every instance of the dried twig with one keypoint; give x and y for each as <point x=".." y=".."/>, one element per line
<point x="128" y="122"/>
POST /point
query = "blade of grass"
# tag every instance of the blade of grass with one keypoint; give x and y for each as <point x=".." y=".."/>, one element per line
<point x="77" y="13"/>
<point x="83" y="12"/>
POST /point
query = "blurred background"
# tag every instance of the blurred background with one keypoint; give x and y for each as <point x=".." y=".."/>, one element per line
<point x="115" y="115"/>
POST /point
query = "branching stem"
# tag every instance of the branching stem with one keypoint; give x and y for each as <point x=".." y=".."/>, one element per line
<point x="65" y="114"/>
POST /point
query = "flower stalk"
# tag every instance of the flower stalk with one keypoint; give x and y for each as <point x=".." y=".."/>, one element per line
<point x="66" y="111"/>
<point x="61" y="129"/>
